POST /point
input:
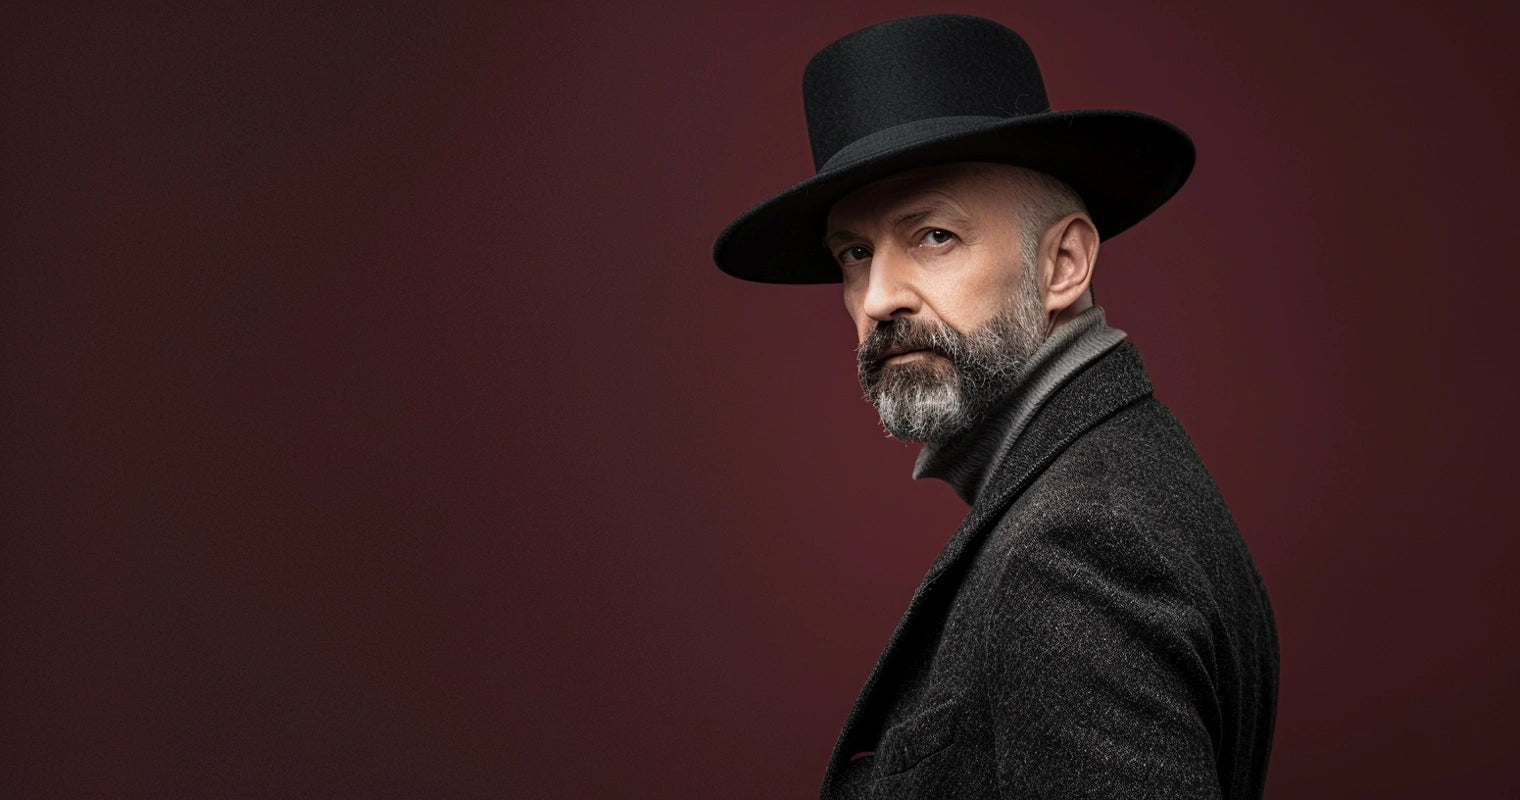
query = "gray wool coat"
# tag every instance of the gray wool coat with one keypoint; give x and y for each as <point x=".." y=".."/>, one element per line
<point x="1094" y="628"/>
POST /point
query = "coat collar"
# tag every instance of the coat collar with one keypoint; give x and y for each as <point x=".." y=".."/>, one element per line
<point x="1108" y="385"/>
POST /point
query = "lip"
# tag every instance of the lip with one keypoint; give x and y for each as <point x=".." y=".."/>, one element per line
<point x="898" y="356"/>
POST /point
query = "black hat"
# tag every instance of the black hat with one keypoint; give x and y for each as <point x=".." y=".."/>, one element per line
<point x="935" y="89"/>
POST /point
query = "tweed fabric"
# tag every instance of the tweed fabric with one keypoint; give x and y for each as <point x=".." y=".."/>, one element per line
<point x="1094" y="628"/>
<point x="963" y="463"/>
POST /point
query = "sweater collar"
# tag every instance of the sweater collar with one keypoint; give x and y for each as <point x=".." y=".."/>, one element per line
<point x="965" y="462"/>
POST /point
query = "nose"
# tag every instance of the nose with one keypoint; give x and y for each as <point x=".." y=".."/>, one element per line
<point x="889" y="287"/>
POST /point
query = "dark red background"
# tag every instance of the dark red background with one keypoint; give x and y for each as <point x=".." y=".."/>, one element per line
<point x="376" y="424"/>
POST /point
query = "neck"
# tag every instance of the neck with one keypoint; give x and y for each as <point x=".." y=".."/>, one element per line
<point x="966" y="461"/>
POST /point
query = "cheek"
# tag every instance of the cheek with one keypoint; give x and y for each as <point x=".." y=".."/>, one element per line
<point x="858" y="319"/>
<point x="973" y="297"/>
<point x="863" y="327"/>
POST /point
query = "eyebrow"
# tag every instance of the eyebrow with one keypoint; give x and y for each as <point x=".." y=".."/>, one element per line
<point x="952" y="214"/>
<point x="835" y="238"/>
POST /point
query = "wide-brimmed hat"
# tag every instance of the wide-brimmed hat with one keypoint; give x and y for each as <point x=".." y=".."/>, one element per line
<point x="936" y="89"/>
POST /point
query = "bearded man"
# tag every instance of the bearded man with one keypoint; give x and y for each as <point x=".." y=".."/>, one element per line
<point x="1095" y="627"/>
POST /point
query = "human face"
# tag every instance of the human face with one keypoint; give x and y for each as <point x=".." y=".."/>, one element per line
<point x="940" y="278"/>
<point x="940" y="244"/>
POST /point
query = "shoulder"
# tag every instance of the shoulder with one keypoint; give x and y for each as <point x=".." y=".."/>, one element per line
<point x="1128" y="506"/>
<point x="1136" y="469"/>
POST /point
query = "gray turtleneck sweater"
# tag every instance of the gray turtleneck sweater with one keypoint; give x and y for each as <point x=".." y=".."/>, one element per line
<point x="963" y="462"/>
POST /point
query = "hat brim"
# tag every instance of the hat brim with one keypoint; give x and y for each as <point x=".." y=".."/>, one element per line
<point x="1124" y="164"/>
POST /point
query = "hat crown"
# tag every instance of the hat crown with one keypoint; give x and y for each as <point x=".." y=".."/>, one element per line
<point x="913" y="69"/>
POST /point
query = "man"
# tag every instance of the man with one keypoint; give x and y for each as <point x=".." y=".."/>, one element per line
<point x="1095" y="627"/>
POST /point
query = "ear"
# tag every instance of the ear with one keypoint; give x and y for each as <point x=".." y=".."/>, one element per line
<point x="1070" y="248"/>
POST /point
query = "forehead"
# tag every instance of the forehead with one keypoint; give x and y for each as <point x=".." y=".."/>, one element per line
<point x="967" y="188"/>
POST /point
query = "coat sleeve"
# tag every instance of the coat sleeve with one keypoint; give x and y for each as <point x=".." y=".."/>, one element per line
<point x="1100" y="669"/>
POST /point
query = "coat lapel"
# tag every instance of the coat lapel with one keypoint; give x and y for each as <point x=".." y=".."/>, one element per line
<point x="1113" y="382"/>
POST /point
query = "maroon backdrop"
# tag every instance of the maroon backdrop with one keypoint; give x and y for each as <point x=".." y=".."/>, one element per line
<point x="376" y="423"/>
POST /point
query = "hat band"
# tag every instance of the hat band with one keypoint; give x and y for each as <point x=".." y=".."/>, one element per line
<point x="898" y="137"/>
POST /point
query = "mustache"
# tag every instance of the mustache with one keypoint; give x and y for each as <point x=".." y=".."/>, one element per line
<point x="901" y="335"/>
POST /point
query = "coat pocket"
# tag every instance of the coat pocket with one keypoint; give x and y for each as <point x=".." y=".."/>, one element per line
<point x="916" y="738"/>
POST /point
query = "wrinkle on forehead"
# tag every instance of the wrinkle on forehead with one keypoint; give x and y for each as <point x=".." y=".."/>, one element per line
<point x="940" y="187"/>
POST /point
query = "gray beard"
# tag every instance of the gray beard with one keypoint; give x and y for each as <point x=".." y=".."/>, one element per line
<point x="937" y="398"/>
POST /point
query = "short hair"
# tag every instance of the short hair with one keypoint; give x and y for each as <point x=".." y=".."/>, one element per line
<point x="1040" y="199"/>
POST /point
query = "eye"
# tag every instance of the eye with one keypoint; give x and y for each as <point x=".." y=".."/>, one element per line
<point x="938" y="237"/>
<point x="853" y="254"/>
